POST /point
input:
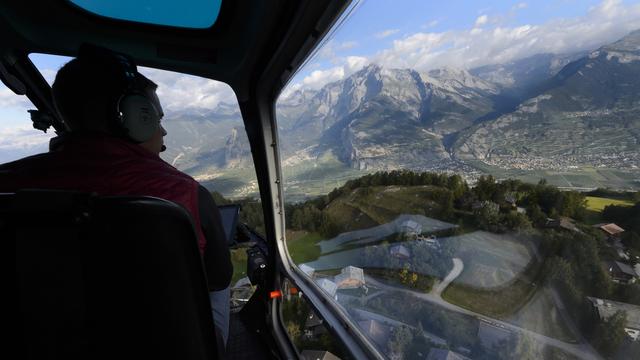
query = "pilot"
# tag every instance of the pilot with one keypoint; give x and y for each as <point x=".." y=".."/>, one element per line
<point x="114" y="148"/>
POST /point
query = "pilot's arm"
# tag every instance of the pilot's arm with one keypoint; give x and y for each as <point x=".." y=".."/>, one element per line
<point x="217" y="259"/>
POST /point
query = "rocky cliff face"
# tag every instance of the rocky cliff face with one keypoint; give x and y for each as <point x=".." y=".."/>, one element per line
<point x="586" y="114"/>
<point x="543" y="111"/>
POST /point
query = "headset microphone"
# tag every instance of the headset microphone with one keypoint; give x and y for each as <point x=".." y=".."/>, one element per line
<point x="163" y="148"/>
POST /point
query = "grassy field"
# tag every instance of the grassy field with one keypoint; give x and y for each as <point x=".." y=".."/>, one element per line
<point x="239" y="261"/>
<point x="598" y="203"/>
<point x="367" y="207"/>
<point x="302" y="246"/>
<point x="499" y="303"/>
<point x="595" y="205"/>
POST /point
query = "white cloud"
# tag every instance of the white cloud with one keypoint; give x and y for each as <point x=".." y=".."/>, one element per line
<point x="8" y="99"/>
<point x="179" y="91"/>
<point x="522" y="5"/>
<point x="319" y="78"/>
<point x="481" y="20"/>
<point x="23" y="137"/>
<point x="347" y="45"/>
<point x="430" y="24"/>
<point x="605" y="23"/>
<point x="386" y="33"/>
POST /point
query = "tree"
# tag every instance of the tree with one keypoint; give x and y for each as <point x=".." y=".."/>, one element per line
<point x="609" y="333"/>
<point x="538" y="218"/>
<point x="401" y="336"/>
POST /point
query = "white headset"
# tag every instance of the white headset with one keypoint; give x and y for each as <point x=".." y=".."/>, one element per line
<point x="137" y="117"/>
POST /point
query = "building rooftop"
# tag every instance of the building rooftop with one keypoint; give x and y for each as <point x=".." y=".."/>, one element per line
<point x="607" y="308"/>
<point x="611" y="229"/>
<point x="399" y="250"/>
<point x="621" y="267"/>
<point x="328" y="286"/>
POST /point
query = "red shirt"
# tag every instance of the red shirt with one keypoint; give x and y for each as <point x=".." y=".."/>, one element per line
<point x="107" y="166"/>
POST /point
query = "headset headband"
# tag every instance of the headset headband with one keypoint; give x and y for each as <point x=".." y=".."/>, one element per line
<point x="117" y="64"/>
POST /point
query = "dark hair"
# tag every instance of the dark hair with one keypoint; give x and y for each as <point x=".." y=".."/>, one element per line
<point x="81" y="84"/>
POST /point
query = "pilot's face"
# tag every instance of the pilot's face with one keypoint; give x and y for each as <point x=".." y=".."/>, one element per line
<point x="156" y="143"/>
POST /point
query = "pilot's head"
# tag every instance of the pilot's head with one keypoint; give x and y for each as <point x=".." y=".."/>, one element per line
<point x="101" y="92"/>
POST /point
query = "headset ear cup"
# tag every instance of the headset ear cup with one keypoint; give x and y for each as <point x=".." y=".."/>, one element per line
<point x="139" y="117"/>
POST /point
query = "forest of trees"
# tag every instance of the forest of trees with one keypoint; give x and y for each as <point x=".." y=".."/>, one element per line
<point x="457" y="201"/>
<point x="572" y="259"/>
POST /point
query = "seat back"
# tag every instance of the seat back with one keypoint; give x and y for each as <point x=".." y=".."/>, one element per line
<point x="106" y="277"/>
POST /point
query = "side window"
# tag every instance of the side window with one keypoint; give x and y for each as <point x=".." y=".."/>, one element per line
<point x="463" y="189"/>
<point x="18" y="138"/>
<point x="205" y="139"/>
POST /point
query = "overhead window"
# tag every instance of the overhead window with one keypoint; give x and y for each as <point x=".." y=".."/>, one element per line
<point x="194" y="14"/>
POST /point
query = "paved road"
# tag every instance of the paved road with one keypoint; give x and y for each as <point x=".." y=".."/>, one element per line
<point x="458" y="266"/>
<point x="582" y="350"/>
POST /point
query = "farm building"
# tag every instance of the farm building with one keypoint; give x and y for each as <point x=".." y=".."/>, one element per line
<point x="604" y="309"/>
<point x="562" y="223"/>
<point x="620" y="272"/>
<point x="610" y="230"/>
<point x="399" y="251"/>
<point x="328" y="286"/>
<point x="410" y="228"/>
<point x="350" y="277"/>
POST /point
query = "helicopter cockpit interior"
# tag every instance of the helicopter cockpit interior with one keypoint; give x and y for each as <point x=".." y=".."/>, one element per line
<point x="385" y="179"/>
<point x="80" y="297"/>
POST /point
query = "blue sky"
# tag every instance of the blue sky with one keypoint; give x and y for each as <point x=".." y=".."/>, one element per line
<point x="380" y="29"/>
<point x="417" y="34"/>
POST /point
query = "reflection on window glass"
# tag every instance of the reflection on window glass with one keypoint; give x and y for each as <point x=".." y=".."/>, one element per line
<point x="464" y="180"/>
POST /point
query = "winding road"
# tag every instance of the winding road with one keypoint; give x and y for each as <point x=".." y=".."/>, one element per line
<point x="582" y="349"/>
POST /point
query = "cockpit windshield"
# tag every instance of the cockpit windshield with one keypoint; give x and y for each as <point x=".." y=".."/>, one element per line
<point x="444" y="169"/>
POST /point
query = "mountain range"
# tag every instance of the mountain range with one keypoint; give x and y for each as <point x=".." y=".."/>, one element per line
<point x="546" y="111"/>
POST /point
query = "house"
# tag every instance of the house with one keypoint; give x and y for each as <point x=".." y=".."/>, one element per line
<point x="620" y="272"/>
<point x="510" y="199"/>
<point x="410" y="228"/>
<point x="399" y="251"/>
<point x="604" y="309"/>
<point x="610" y="230"/>
<point x="318" y="355"/>
<point x="314" y="326"/>
<point x="444" y="354"/>
<point x="376" y="331"/>
<point x="328" y="286"/>
<point x="431" y="241"/>
<point x="307" y="270"/>
<point x="350" y="277"/>
<point x="562" y="223"/>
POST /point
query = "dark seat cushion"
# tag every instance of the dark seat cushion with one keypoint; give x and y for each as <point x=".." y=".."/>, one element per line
<point x="106" y="277"/>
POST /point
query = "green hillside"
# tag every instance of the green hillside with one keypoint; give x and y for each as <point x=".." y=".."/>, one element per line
<point x="375" y="205"/>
